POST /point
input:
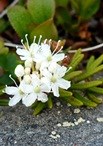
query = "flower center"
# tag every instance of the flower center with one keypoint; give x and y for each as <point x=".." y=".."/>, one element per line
<point x="37" y="89"/>
<point x="53" y="79"/>
<point x="49" y="58"/>
<point x="21" y="92"/>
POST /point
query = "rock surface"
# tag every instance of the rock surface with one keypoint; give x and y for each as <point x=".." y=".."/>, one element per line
<point x="18" y="127"/>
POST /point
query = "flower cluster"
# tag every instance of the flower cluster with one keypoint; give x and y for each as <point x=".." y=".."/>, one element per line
<point x="40" y="75"/>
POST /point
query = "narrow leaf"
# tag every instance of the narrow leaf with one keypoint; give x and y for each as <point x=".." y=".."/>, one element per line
<point x="90" y="62"/>
<point x="72" y="100"/>
<point x="50" y="102"/>
<point x="86" y="85"/>
<point x="89" y="73"/>
<point x="98" y="90"/>
<point x="4" y="102"/>
<point x="75" y="63"/>
<point x="39" y="108"/>
<point x="72" y="75"/>
<point x="92" y="97"/>
<point x="64" y="93"/>
<point x="85" y="101"/>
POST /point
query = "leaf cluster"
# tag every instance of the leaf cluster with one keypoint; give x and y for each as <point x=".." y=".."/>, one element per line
<point x="45" y="17"/>
<point x="84" y="90"/>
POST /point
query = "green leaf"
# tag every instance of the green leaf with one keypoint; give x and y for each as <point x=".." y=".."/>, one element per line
<point x="95" y="63"/>
<point x="41" y="10"/>
<point x="47" y="29"/>
<point x="61" y="3"/>
<point x="8" y="63"/>
<point x="86" y="85"/>
<point x="62" y="15"/>
<point x="95" y="99"/>
<point x="76" y="5"/>
<point x="75" y="63"/>
<point x="20" y="19"/>
<point x="39" y="108"/>
<point x="1" y="90"/>
<point x="5" y="80"/>
<point x="90" y="62"/>
<point x="97" y="90"/>
<point x="85" y="9"/>
<point x="89" y="8"/>
<point x="72" y="75"/>
<point x="85" y="100"/>
<point x="3" y="25"/>
<point x="89" y="73"/>
<point x="4" y="102"/>
<point x="64" y="93"/>
<point x="50" y="102"/>
<point x="72" y="100"/>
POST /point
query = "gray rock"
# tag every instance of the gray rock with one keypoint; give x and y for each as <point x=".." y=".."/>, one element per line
<point x="18" y="127"/>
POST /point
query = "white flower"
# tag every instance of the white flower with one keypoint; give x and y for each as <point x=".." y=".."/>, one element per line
<point x="28" y="63"/>
<point x="40" y="75"/>
<point x="19" y="71"/>
<point x="45" y="56"/>
<point x="27" y="70"/>
<point x="17" y="94"/>
<point x="36" y="91"/>
<point x="29" y="53"/>
<point x="27" y="79"/>
<point x="53" y="78"/>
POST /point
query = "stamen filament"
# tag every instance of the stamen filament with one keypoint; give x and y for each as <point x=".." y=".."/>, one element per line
<point x="56" y="47"/>
<point x="13" y="80"/>
<point x="23" y="44"/>
<point x="34" y="39"/>
<point x="26" y="37"/>
<point x="39" y="40"/>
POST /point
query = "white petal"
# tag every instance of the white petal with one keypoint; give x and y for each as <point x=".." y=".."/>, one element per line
<point x="46" y="73"/>
<point x="11" y="90"/>
<point x="55" y="90"/>
<point x="30" y="99"/>
<point x="35" y="47"/>
<point x="58" y="57"/>
<point x="46" y="81"/>
<point x="45" y="49"/>
<point x="61" y="70"/>
<point x="62" y="83"/>
<point x="26" y="88"/>
<point x="45" y="88"/>
<point x="24" y="58"/>
<point x="44" y="64"/>
<point x="14" y="100"/>
<point x="35" y="79"/>
<point x="42" y="97"/>
<point x="22" y="52"/>
<point x="52" y="67"/>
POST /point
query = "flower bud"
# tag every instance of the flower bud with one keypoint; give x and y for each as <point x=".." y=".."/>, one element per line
<point x="38" y="65"/>
<point x="27" y="70"/>
<point x="28" y="63"/>
<point x="27" y="79"/>
<point x="19" y="71"/>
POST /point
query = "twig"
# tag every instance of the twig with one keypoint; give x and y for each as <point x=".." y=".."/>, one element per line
<point x="13" y="45"/>
<point x="88" y="49"/>
<point x="11" y="5"/>
<point x="69" y="51"/>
